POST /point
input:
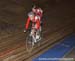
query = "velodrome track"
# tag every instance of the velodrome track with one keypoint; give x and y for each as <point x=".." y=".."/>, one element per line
<point x="58" y="50"/>
<point x="12" y="37"/>
<point x="16" y="51"/>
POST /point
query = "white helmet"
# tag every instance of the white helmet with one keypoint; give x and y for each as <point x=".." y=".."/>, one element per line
<point x="30" y="14"/>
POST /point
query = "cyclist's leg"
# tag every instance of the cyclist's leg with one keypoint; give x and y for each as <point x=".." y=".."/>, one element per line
<point x="38" y="36"/>
<point x="33" y="35"/>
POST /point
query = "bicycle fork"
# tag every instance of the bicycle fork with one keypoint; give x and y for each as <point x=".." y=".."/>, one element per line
<point x="33" y="38"/>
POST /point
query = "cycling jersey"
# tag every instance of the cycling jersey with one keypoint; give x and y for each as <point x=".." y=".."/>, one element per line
<point x="37" y="11"/>
<point x="36" y="20"/>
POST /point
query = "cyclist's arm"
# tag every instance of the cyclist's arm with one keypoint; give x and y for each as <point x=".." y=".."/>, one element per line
<point x="38" y="24"/>
<point x="27" y="23"/>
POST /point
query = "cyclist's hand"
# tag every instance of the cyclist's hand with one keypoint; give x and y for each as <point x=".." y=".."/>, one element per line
<point x="24" y="30"/>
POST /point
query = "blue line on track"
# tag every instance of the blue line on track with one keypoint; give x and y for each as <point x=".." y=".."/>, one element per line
<point x="58" y="50"/>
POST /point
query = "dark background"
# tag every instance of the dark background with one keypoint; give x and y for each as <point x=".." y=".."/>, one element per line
<point x="15" y="11"/>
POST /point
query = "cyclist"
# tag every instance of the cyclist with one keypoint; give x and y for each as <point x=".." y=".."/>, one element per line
<point x="34" y="19"/>
<point x="38" y="11"/>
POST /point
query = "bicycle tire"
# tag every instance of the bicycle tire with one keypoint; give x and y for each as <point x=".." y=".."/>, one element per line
<point x="39" y="43"/>
<point x="29" y="45"/>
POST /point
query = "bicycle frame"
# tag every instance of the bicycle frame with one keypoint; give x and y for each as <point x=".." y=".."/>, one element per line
<point x="33" y="35"/>
<point x="31" y="39"/>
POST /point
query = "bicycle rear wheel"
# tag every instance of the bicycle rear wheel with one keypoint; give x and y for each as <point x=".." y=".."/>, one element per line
<point x="40" y="38"/>
<point x="29" y="44"/>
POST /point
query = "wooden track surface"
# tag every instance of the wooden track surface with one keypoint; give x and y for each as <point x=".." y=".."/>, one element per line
<point x="12" y="42"/>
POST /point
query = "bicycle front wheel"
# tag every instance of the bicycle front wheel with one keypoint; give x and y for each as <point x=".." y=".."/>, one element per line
<point x="29" y="44"/>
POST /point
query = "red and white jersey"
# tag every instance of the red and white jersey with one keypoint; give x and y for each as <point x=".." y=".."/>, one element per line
<point x="36" y="20"/>
<point x="38" y="11"/>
